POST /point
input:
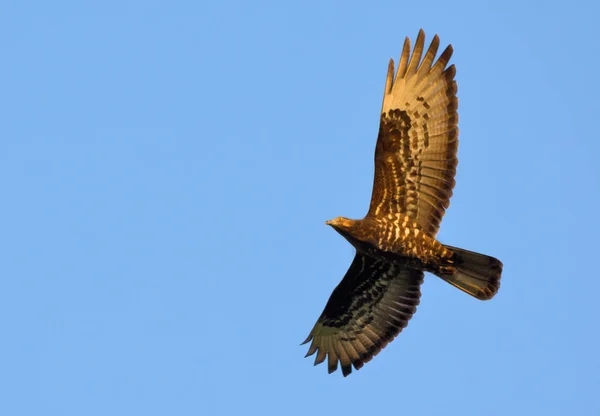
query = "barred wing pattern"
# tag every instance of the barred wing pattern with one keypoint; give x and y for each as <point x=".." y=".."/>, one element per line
<point x="368" y="309"/>
<point x="415" y="157"/>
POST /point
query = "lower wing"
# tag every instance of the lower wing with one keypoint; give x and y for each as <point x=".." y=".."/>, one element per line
<point x="367" y="310"/>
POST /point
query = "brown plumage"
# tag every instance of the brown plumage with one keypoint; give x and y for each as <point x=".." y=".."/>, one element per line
<point x="415" y="164"/>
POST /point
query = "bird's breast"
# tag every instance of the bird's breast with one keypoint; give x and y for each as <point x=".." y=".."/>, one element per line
<point x="407" y="239"/>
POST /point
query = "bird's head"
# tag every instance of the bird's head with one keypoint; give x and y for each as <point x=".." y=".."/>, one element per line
<point x="341" y="223"/>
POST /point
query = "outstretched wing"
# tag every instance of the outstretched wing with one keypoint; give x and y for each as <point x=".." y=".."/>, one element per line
<point x="415" y="158"/>
<point x="371" y="305"/>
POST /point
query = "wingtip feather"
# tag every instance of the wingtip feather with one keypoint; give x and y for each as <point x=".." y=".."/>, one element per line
<point x="389" y="80"/>
<point x="307" y="339"/>
<point x="415" y="59"/>
<point x="403" y="63"/>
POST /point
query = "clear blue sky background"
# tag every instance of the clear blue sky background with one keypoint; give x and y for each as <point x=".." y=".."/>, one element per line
<point x="166" y="169"/>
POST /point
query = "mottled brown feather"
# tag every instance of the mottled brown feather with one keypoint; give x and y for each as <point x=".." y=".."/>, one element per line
<point x="415" y="165"/>
<point x="369" y="308"/>
<point x="415" y="156"/>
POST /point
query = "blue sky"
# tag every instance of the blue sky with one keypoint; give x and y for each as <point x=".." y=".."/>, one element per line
<point x="166" y="171"/>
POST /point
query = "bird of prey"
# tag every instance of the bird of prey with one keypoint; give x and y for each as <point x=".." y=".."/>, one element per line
<point x="415" y="164"/>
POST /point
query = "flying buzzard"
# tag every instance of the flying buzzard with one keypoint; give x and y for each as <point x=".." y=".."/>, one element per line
<point x="415" y="163"/>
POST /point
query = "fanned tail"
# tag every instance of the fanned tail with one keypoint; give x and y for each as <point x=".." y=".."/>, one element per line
<point x="474" y="273"/>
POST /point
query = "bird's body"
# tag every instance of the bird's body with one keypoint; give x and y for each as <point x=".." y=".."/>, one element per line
<point x="415" y="164"/>
<point x="397" y="238"/>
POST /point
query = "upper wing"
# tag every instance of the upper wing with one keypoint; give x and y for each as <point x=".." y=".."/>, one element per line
<point x="415" y="158"/>
<point x="366" y="311"/>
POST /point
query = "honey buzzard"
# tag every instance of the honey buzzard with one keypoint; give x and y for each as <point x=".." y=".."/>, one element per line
<point x="415" y="163"/>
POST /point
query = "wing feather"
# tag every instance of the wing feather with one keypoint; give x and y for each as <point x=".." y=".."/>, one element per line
<point x="403" y="64"/>
<point x="415" y="59"/>
<point x="368" y="309"/>
<point x="415" y="157"/>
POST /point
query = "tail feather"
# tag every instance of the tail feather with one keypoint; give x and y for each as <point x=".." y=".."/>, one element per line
<point x="474" y="273"/>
